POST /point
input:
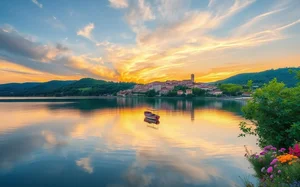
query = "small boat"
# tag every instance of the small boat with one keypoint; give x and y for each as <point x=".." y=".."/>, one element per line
<point x="154" y="121"/>
<point x="150" y="115"/>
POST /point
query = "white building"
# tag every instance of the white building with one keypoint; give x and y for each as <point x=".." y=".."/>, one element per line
<point x="157" y="88"/>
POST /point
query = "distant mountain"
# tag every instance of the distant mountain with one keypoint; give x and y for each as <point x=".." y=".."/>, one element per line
<point x="47" y="87"/>
<point x="92" y="87"/>
<point x="16" y="88"/>
<point x="259" y="78"/>
<point x="82" y="87"/>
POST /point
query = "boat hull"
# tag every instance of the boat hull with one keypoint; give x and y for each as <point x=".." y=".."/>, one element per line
<point x="154" y="121"/>
<point x="150" y="115"/>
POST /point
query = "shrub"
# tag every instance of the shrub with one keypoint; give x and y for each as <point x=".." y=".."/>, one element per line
<point x="274" y="111"/>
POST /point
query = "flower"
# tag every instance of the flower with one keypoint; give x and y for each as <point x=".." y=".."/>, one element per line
<point x="267" y="148"/>
<point x="274" y="161"/>
<point x="282" y="150"/>
<point x="295" y="151"/>
<point x="271" y="176"/>
<point x="270" y="169"/>
<point x="273" y="149"/>
<point x="279" y="171"/>
<point x="275" y="165"/>
<point x="262" y="169"/>
<point x="263" y="153"/>
<point x="286" y="158"/>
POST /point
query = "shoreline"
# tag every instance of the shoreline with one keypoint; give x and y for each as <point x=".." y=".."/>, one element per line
<point x="7" y="98"/>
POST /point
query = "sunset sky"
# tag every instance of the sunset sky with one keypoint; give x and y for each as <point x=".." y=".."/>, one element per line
<point x="145" y="40"/>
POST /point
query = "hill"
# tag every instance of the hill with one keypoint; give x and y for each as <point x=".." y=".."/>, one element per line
<point x="82" y="87"/>
<point x="16" y="89"/>
<point x="259" y="78"/>
<point x="47" y="88"/>
<point x="92" y="87"/>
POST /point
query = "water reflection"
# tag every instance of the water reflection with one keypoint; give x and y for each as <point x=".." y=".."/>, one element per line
<point x="106" y="142"/>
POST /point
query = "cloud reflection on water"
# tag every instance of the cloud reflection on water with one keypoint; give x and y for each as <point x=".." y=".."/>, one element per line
<point x="182" y="151"/>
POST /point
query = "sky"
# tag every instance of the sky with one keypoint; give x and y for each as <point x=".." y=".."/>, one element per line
<point x="145" y="40"/>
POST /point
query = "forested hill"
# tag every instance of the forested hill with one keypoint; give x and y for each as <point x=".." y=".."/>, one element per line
<point x="259" y="78"/>
<point x="82" y="87"/>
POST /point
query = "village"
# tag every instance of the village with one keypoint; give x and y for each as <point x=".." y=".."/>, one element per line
<point x="163" y="88"/>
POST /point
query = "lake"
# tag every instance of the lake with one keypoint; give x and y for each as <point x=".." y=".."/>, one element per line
<point x="106" y="142"/>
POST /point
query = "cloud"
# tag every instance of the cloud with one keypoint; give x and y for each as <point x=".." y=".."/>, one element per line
<point x="85" y="164"/>
<point x="92" y="67"/>
<point x="211" y="3"/>
<point x="118" y="3"/>
<point x="247" y="26"/>
<point x="86" y="31"/>
<point x="13" y="42"/>
<point x="14" y="68"/>
<point x="60" y="47"/>
<point x="37" y="3"/>
<point x="139" y="12"/>
<point x="23" y="57"/>
<point x="168" y="44"/>
<point x="184" y="40"/>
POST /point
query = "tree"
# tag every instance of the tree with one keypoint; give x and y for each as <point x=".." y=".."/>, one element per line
<point x="172" y="93"/>
<point x="231" y="89"/>
<point x="250" y="85"/>
<point x="151" y="93"/>
<point x="274" y="111"/>
<point x="198" y="92"/>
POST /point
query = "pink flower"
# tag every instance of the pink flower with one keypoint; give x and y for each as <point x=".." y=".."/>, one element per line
<point x="263" y="153"/>
<point x="271" y="176"/>
<point x="270" y="169"/>
<point x="273" y="149"/>
<point x="282" y="150"/>
<point x="267" y="148"/>
<point x="274" y="161"/>
<point x="279" y="171"/>
<point x="295" y="151"/>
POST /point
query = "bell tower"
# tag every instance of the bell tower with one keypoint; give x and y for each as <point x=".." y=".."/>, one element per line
<point x="192" y="78"/>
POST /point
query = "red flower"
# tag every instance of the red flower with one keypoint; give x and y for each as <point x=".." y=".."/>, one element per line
<point x="295" y="151"/>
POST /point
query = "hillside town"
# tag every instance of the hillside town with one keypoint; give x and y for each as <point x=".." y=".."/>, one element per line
<point x="163" y="88"/>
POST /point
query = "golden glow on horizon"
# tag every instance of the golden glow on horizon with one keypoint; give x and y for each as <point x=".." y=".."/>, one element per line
<point x="16" y="73"/>
<point x="208" y="42"/>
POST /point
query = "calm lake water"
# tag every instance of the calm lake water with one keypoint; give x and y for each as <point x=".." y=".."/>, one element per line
<point x="106" y="142"/>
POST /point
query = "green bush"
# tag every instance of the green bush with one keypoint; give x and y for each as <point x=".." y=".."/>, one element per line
<point x="231" y="89"/>
<point x="274" y="111"/>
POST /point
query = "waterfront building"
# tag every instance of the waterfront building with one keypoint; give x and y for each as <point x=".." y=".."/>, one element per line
<point x="189" y="91"/>
<point x="179" y="92"/>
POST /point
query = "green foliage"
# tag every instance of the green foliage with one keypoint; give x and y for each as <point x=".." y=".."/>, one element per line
<point x="259" y="163"/>
<point x="198" y="92"/>
<point x="183" y="88"/>
<point x="172" y="94"/>
<point x="83" y="87"/>
<point x="274" y="111"/>
<point x="231" y="89"/>
<point x="261" y="78"/>
<point x="249" y="85"/>
<point x="289" y="174"/>
<point x="151" y="93"/>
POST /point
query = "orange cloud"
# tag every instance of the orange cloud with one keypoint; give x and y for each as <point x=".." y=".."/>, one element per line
<point x="18" y="73"/>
